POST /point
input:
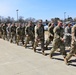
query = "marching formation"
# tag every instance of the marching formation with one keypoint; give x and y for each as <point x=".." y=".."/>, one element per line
<point x="60" y="36"/>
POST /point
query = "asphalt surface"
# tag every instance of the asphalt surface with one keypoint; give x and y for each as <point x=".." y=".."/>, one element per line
<point x="16" y="60"/>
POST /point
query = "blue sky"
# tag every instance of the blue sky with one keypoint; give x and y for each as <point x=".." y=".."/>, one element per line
<point x="39" y="9"/>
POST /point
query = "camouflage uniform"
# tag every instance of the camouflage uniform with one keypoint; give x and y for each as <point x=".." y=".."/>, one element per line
<point x="39" y="37"/>
<point x="57" y="41"/>
<point x="8" y="32"/>
<point x="73" y="44"/>
<point x="20" y="34"/>
<point x="0" y="31"/>
<point x="67" y="36"/>
<point x="4" y="31"/>
<point x="50" y="35"/>
<point x="29" y="32"/>
<point x="13" y="33"/>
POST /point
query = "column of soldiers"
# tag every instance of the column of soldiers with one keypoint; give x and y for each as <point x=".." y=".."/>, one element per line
<point x="59" y="36"/>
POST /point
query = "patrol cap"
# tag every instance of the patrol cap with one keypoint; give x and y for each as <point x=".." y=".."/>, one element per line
<point x="59" y="21"/>
<point x="40" y="21"/>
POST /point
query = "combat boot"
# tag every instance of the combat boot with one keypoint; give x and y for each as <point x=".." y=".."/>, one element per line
<point x="43" y="52"/>
<point x="11" y="41"/>
<point x="46" y="48"/>
<point x="50" y="56"/>
<point x="66" y="61"/>
<point x="34" y="49"/>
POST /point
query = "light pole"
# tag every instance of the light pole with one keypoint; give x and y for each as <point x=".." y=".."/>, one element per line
<point x="64" y="16"/>
<point x="17" y="14"/>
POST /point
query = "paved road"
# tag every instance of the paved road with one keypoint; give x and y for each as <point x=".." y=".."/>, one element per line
<point x="16" y="60"/>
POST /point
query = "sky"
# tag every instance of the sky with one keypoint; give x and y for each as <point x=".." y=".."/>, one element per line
<point x="38" y="9"/>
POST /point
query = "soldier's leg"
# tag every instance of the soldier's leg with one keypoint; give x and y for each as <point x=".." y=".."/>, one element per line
<point x="7" y="37"/>
<point x="22" y="39"/>
<point x="15" y="37"/>
<point x="42" y="46"/>
<point x="47" y="42"/>
<point x="32" y="39"/>
<point x="62" y="49"/>
<point x="35" y="45"/>
<point x="26" y="41"/>
<point x="3" y="36"/>
<point x="0" y="34"/>
<point x="18" y="39"/>
<point x="54" y="48"/>
<point x="73" y="50"/>
<point x="11" y="39"/>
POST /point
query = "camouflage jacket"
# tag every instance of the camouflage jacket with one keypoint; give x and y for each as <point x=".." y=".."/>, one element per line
<point x="39" y="32"/>
<point x="29" y="31"/>
<point x="50" y="30"/>
<point x="58" y="32"/>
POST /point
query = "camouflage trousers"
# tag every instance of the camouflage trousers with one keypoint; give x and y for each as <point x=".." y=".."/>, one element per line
<point x="27" y="39"/>
<point x="20" y="38"/>
<point x="13" y="36"/>
<point x="8" y="36"/>
<point x="68" y="41"/>
<point x="57" y="43"/>
<point x="36" y="44"/>
<point x="0" y="34"/>
<point x="72" y="51"/>
<point x="48" y="41"/>
<point x="4" y="36"/>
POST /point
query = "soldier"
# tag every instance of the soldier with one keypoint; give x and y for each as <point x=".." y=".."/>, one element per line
<point x="73" y="45"/>
<point x="0" y="30"/>
<point x="58" y="41"/>
<point x="13" y="32"/>
<point x="39" y="36"/>
<point x="4" y="31"/>
<point x="20" y="34"/>
<point x="50" y="35"/>
<point x="29" y="32"/>
<point x="67" y="35"/>
<point x="8" y="32"/>
<point x="49" y="24"/>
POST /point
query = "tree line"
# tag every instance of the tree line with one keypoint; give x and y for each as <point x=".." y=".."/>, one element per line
<point x="22" y="20"/>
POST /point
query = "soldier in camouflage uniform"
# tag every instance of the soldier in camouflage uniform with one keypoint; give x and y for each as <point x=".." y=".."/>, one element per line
<point x="8" y="32"/>
<point x="29" y="32"/>
<point x="39" y="36"/>
<point x="4" y="31"/>
<point x="20" y="34"/>
<point x="73" y="45"/>
<point x="50" y="35"/>
<point x="13" y="33"/>
<point x="58" y="41"/>
<point x="67" y="35"/>
<point x="0" y="30"/>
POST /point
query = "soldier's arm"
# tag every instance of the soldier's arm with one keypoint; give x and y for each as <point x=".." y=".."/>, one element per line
<point x="36" y="32"/>
<point x="17" y="30"/>
<point x="56" y="32"/>
<point x="66" y="32"/>
<point x="26" y="31"/>
<point x="49" y="31"/>
<point x="73" y="33"/>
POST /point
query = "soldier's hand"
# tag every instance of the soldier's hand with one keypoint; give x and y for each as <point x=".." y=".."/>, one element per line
<point x="62" y="39"/>
<point x="26" y="35"/>
<point x="38" y="39"/>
